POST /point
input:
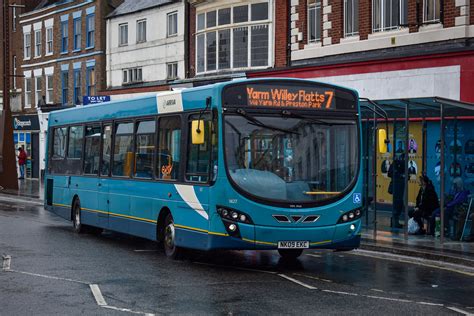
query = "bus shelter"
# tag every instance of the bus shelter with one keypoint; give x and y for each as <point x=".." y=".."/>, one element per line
<point x="426" y="136"/>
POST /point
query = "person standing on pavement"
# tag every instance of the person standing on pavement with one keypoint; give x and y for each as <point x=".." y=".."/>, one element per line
<point x="22" y="162"/>
<point x="397" y="188"/>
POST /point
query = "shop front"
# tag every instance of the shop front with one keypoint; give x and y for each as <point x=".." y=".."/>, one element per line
<point x="26" y="134"/>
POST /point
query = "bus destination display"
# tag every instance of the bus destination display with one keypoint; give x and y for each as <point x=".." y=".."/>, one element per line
<point x="314" y="98"/>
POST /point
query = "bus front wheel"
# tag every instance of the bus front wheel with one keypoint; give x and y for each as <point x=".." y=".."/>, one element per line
<point x="290" y="254"/>
<point x="169" y="241"/>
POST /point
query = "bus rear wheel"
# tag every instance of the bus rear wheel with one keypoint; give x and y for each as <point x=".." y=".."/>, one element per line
<point x="169" y="240"/>
<point x="290" y="254"/>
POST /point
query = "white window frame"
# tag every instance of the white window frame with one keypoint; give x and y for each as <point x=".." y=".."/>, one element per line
<point x="27" y="45"/>
<point x="28" y="92"/>
<point x="231" y="26"/>
<point x="132" y="75"/>
<point x="436" y="10"/>
<point x="354" y="26"/>
<point x="401" y="4"/>
<point x="315" y="6"/>
<point x="172" y="70"/>
<point x="38" y="93"/>
<point x="14" y="72"/>
<point x="123" y="26"/>
<point x="38" y="43"/>
<point x="48" y="79"/>
<point x="171" y="33"/>
<point x="49" y="41"/>
<point x="139" y="39"/>
<point x="14" y="19"/>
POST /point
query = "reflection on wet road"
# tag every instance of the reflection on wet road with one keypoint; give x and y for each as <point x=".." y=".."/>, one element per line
<point x="132" y="275"/>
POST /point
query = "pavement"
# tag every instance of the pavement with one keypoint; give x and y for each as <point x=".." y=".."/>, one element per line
<point x="383" y="240"/>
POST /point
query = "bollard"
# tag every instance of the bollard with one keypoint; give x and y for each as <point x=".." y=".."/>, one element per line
<point x="6" y="262"/>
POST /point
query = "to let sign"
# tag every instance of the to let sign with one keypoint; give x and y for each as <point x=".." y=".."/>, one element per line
<point x="95" y="99"/>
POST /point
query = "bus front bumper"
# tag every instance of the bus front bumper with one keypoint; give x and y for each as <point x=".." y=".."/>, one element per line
<point x="341" y="237"/>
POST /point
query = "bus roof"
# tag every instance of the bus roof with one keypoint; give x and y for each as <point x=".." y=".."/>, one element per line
<point x="161" y="102"/>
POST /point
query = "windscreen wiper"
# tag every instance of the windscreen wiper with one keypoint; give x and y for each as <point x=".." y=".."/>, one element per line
<point x="309" y="118"/>
<point x="259" y="123"/>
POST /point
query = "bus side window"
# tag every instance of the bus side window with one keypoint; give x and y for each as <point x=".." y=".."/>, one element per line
<point x="59" y="143"/>
<point x="169" y="135"/>
<point x="76" y="137"/>
<point x="123" y="150"/>
<point x="106" y="150"/>
<point x="92" y="150"/>
<point x="145" y="150"/>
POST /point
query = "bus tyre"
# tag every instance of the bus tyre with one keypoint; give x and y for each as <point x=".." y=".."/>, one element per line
<point x="76" y="218"/>
<point x="290" y="254"/>
<point x="169" y="242"/>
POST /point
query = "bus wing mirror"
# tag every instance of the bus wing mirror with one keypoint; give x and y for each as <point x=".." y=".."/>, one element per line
<point x="197" y="134"/>
<point x="383" y="141"/>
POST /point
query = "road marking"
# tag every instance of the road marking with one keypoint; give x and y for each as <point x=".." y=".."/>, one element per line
<point x="313" y="277"/>
<point x="127" y="310"/>
<point x="340" y="292"/>
<point x="313" y="255"/>
<point x="389" y="298"/>
<point x="377" y="290"/>
<point x="48" y="277"/>
<point x="430" y="304"/>
<point x="97" y="295"/>
<point x="458" y="310"/>
<point x="297" y="282"/>
<point x="145" y="250"/>
<point x="398" y="258"/>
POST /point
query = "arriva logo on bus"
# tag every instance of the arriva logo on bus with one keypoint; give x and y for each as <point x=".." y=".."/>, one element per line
<point x="168" y="102"/>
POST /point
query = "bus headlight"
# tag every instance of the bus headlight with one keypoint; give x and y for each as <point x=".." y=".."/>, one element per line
<point x="350" y="216"/>
<point x="233" y="215"/>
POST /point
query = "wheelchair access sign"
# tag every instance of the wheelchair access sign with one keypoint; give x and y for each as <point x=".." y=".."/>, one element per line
<point x="357" y="198"/>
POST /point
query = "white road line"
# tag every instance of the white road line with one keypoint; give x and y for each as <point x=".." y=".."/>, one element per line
<point x="297" y="282"/>
<point x="377" y="290"/>
<point x="97" y="295"/>
<point x="430" y="304"/>
<point x="460" y="311"/>
<point x="389" y="298"/>
<point x="340" y="292"/>
<point x="127" y="310"/>
<point x="313" y="255"/>
<point x="313" y="277"/>
<point x="48" y="276"/>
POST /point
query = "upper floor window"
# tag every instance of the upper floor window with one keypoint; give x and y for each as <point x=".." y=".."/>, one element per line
<point x="172" y="70"/>
<point x="314" y="21"/>
<point x="123" y="34"/>
<point x="28" y="84"/>
<point x="90" y="30"/>
<point x="351" y="17"/>
<point x="37" y="43"/>
<point x="49" y="40"/>
<point x="77" y="86"/>
<point x="14" y="72"/>
<point x="14" y="19"/>
<point x="64" y="36"/>
<point x="77" y="33"/>
<point x="38" y="91"/>
<point x="91" y="81"/>
<point x="27" y="45"/>
<point x="431" y="10"/>
<point x="233" y="37"/>
<point x="389" y="14"/>
<point x="172" y="24"/>
<point x="141" y="31"/>
<point x="49" y="89"/>
<point x="64" y="86"/>
<point x="132" y="75"/>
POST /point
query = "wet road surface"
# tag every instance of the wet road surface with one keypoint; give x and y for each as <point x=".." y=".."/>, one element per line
<point x="54" y="271"/>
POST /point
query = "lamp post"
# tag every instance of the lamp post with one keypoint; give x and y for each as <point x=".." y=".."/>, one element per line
<point x="8" y="174"/>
